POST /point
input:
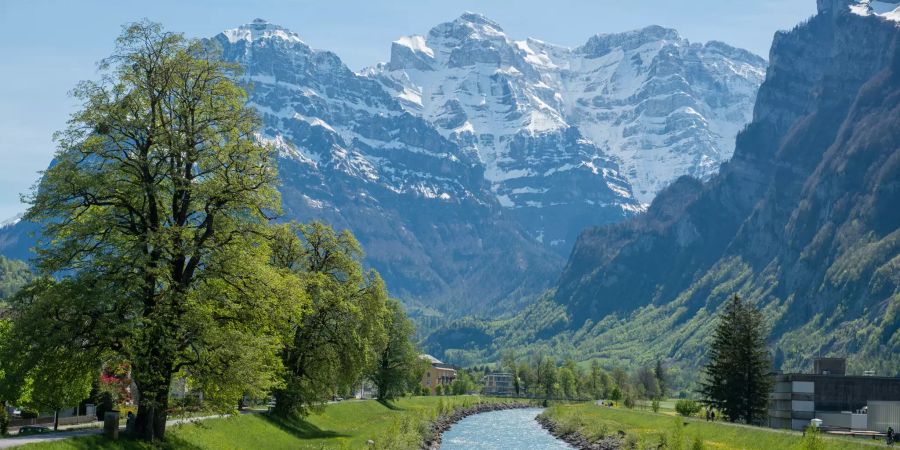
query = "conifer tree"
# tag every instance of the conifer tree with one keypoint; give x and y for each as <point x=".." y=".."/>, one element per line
<point x="736" y="379"/>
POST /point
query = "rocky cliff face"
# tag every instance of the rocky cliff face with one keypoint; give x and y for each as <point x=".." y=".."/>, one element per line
<point x="803" y="220"/>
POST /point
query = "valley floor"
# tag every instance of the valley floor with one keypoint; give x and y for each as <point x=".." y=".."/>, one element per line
<point x="346" y="425"/>
<point x="645" y="429"/>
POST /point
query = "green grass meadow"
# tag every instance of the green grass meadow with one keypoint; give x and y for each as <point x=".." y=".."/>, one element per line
<point x="346" y="425"/>
<point x="645" y="429"/>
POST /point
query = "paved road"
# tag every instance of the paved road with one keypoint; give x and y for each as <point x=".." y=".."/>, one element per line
<point x="16" y="441"/>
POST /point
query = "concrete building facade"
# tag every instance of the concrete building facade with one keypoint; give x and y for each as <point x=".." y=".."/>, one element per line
<point x="498" y="383"/>
<point x="839" y="400"/>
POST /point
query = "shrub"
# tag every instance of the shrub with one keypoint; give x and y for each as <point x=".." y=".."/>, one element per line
<point x="698" y="444"/>
<point x="812" y="439"/>
<point x="687" y="407"/>
<point x="655" y="405"/>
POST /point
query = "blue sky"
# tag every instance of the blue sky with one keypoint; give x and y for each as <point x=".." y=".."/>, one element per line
<point x="47" y="46"/>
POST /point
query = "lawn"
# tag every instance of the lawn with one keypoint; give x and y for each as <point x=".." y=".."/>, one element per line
<point x="348" y="424"/>
<point x="648" y="429"/>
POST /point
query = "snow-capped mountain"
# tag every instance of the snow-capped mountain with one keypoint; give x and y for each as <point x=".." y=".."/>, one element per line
<point x="484" y="92"/>
<point x="352" y="156"/>
<point x="649" y="100"/>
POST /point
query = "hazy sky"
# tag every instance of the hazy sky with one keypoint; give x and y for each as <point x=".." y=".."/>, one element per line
<point x="47" y="46"/>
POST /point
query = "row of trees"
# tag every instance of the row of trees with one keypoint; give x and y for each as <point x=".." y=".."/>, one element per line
<point x="545" y="377"/>
<point x="160" y="252"/>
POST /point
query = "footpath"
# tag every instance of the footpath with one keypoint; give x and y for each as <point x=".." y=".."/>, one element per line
<point x="16" y="441"/>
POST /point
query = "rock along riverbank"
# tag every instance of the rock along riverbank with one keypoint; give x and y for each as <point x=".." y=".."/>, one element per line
<point x="443" y="423"/>
<point x="576" y="439"/>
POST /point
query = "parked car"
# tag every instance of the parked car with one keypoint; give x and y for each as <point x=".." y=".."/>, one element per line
<point x="32" y="429"/>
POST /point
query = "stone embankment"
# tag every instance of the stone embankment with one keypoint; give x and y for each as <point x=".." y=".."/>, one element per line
<point x="443" y="423"/>
<point x="577" y="440"/>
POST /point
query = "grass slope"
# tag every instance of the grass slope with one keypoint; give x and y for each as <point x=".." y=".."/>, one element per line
<point x="338" y="426"/>
<point x="647" y="430"/>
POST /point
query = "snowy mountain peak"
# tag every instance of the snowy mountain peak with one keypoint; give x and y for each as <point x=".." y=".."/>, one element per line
<point x="260" y="29"/>
<point x="601" y="44"/>
<point x="885" y="9"/>
<point x="479" y="22"/>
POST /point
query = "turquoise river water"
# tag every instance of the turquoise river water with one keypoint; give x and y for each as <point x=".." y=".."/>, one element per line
<point x="511" y="429"/>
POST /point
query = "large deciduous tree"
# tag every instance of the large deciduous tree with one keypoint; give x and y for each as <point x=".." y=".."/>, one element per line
<point x="334" y="345"/>
<point x="397" y="368"/>
<point x="155" y="216"/>
<point x="736" y="379"/>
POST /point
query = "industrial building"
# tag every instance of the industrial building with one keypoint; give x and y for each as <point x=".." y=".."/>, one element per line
<point x="840" y="401"/>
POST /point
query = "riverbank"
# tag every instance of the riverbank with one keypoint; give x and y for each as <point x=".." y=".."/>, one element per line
<point x="573" y="437"/>
<point x="444" y="422"/>
<point x="354" y="424"/>
<point x="588" y="426"/>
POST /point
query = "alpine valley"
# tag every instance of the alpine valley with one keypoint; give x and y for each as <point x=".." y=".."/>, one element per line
<point x="803" y="221"/>
<point x="469" y="163"/>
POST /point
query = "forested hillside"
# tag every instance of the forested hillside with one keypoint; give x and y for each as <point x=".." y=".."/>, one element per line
<point x="13" y="275"/>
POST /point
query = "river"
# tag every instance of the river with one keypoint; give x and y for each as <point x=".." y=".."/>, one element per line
<point x="511" y="429"/>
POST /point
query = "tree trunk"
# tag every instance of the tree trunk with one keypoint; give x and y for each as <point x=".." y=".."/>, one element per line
<point x="150" y="423"/>
<point x="56" y="420"/>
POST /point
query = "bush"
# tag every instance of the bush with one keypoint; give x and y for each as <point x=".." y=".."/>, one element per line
<point x="812" y="440"/>
<point x="698" y="444"/>
<point x="687" y="407"/>
<point x="655" y="405"/>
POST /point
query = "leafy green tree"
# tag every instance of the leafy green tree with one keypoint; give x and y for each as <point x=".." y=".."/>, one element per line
<point x="596" y="384"/>
<point x="396" y="371"/>
<point x="568" y="383"/>
<point x="647" y="384"/>
<point x="736" y="379"/>
<point x="153" y="215"/>
<point x="463" y="383"/>
<point x="526" y="378"/>
<point x="546" y="377"/>
<point x="340" y="338"/>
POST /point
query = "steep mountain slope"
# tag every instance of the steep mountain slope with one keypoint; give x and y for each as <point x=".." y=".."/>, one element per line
<point x="13" y="275"/>
<point x="650" y="99"/>
<point x="804" y="221"/>
<point x="350" y="155"/>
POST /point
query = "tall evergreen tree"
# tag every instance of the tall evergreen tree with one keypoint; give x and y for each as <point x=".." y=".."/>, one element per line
<point x="736" y="379"/>
<point x="662" y="378"/>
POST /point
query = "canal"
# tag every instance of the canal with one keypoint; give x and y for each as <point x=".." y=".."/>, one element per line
<point x="511" y="429"/>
